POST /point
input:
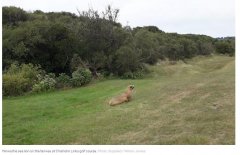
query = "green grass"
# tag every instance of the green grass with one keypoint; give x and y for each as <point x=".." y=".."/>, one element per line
<point x="185" y="103"/>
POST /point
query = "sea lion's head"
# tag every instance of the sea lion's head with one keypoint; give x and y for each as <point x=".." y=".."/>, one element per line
<point x="131" y="87"/>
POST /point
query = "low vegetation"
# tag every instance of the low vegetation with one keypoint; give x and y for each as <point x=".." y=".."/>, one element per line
<point x="19" y="79"/>
<point x="189" y="102"/>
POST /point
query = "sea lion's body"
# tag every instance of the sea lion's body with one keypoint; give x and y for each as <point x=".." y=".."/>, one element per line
<point x="125" y="97"/>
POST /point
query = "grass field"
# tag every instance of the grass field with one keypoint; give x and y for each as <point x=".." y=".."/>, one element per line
<point x="185" y="103"/>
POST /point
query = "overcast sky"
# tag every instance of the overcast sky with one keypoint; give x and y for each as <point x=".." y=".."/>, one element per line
<point x="215" y="18"/>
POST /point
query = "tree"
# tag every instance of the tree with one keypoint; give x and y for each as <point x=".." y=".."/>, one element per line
<point x="61" y="42"/>
<point x="225" y="47"/>
<point x="173" y="51"/>
<point x="205" y="48"/>
<point x="101" y="37"/>
<point x="147" y="44"/>
<point x="127" y="60"/>
<point x="12" y="15"/>
<point x="189" y="48"/>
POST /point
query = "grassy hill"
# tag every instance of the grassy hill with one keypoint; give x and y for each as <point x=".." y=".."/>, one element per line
<point x="185" y="103"/>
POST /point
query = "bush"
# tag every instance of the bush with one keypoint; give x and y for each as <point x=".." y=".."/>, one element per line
<point x="63" y="81"/>
<point x="147" y="45"/>
<point x="138" y="75"/>
<point x="205" y="48"/>
<point x="46" y="83"/>
<point x="224" y="47"/>
<point x="81" y="77"/>
<point x="126" y="60"/>
<point x="12" y="15"/>
<point x="19" y="79"/>
<point x="133" y="75"/>
<point x="14" y="85"/>
<point x="127" y="75"/>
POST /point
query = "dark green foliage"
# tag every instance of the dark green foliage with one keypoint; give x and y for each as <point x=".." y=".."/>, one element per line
<point x="62" y="42"/>
<point x="205" y="48"/>
<point x="173" y="51"/>
<point x="133" y="75"/>
<point x="225" y="47"/>
<point x="63" y="81"/>
<point x="50" y="44"/>
<point x="152" y="29"/>
<point x="189" y="48"/>
<point x="100" y="38"/>
<point x="127" y="60"/>
<point x="148" y="28"/>
<point x="12" y="15"/>
<point x="147" y="44"/>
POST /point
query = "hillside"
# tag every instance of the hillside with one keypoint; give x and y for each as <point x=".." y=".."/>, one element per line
<point x="184" y="103"/>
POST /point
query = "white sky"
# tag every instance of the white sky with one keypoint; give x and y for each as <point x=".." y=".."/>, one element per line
<point x="215" y="18"/>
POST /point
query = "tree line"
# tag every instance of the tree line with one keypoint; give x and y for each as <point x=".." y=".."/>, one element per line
<point x="62" y="43"/>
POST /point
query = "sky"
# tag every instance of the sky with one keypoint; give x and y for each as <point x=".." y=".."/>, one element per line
<point x="215" y="18"/>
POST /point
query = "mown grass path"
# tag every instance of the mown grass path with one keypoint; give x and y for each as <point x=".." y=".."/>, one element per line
<point x="185" y="103"/>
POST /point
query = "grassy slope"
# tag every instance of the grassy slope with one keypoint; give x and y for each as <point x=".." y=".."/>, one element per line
<point x="189" y="103"/>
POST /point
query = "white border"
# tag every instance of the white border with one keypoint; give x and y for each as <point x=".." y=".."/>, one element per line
<point x="122" y="149"/>
<point x="1" y="70"/>
<point x="150" y="149"/>
<point x="237" y="71"/>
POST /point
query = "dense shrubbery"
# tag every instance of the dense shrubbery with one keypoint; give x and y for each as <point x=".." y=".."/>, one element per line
<point x="14" y="85"/>
<point x="225" y="47"/>
<point x="13" y="15"/>
<point x="19" y="79"/>
<point x="45" y="83"/>
<point x="63" y="81"/>
<point x="81" y="77"/>
<point x="62" y="42"/>
<point x="127" y="60"/>
<point x="133" y="75"/>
